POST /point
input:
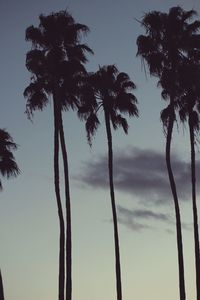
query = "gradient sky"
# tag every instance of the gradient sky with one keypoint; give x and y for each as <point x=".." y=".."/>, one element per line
<point x="28" y="214"/>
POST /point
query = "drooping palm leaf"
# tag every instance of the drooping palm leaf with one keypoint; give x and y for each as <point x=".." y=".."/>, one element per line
<point x="8" y="165"/>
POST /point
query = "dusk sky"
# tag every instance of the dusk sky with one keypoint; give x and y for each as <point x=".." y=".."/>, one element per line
<point x="29" y="229"/>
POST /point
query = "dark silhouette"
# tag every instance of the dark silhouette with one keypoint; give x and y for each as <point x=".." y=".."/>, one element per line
<point x="59" y="205"/>
<point x="8" y="165"/>
<point x="8" y="168"/>
<point x="168" y="38"/>
<point x="189" y="111"/>
<point x="56" y="63"/>
<point x="110" y="90"/>
<point x="1" y="288"/>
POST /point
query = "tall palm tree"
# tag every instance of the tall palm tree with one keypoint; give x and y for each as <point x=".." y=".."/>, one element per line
<point x="56" y="62"/>
<point x="8" y="168"/>
<point x="112" y="91"/>
<point x="168" y="38"/>
<point x="8" y="165"/>
<point x="189" y="110"/>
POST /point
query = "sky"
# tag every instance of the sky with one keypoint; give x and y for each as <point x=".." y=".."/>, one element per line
<point x="28" y="216"/>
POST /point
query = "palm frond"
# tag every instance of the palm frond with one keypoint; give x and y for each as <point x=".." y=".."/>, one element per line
<point x="128" y="85"/>
<point x="78" y="52"/>
<point x="183" y="114"/>
<point x="71" y="103"/>
<point x="34" y="35"/>
<point x="83" y="112"/>
<point x="87" y="97"/>
<point x="166" y="113"/>
<point x="8" y="166"/>
<point x="118" y="121"/>
<point x="123" y="83"/>
<point x="91" y="126"/>
<point x="36" y="100"/>
<point x="153" y="22"/>
<point x="194" y="121"/>
<point x="145" y="45"/>
<point x="188" y="15"/>
<point x="6" y="141"/>
<point x="122" y="77"/>
<point x="77" y="30"/>
<point x="126" y="103"/>
<point x="165" y="94"/>
<point x="194" y="27"/>
<point x="35" y="61"/>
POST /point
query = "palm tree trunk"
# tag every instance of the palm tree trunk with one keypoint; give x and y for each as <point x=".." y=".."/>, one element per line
<point x="195" y="215"/>
<point x="114" y="213"/>
<point x="68" y="212"/>
<point x="59" y="206"/>
<point x="176" y="205"/>
<point x="1" y="288"/>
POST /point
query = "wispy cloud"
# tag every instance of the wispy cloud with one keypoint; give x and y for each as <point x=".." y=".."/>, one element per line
<point x="143" y="214"/>
<point x="140" y="173"/>
<point x="138" y="219"/>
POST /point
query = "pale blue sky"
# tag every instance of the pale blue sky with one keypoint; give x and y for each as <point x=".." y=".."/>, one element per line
<point x="28" y="215"/>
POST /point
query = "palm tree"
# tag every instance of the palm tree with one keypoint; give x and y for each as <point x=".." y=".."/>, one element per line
<point x="8" y="165"/>
<point x="1" y="288"/>
<point x="168" y="38"/>
<point x="56" y="64"/>
<point x="8" y="168"/>
<point x="110" y="90"/>
<point x="189" y="103"/>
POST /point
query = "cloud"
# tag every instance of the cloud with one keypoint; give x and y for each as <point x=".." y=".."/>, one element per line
<point x="143" y="214"/>
<point x="130" y="218"/>
<point x="140" y="173"/>
<point x="132" y="224"/>
<point x="139" y="219"/>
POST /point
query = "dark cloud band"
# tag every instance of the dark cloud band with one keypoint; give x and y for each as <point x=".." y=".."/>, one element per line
<point x="141" y="173"/>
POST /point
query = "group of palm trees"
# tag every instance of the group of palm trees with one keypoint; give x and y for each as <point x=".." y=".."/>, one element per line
<point x="171" y="49"/>
<point x="56" y="61"/>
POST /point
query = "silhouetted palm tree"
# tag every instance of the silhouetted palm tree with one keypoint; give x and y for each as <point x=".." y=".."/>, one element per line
<point x="168" y="37"/>
<point x="110" y="90"/>
<point x="1" y="288"/>
<point x="189" y="103"/>
<point x="56" y="63"/>
<point x="8" y="168"/>
<point x="8" y="165"/>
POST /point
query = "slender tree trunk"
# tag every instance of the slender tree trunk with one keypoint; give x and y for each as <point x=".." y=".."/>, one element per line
<point x="114" y="213"/>
<point x="1" y="288"/>
<point x="176" y="205"/>
<point x="59" y="206"/>
<point x="68" y="212"/>
<point x="195" y="215"/>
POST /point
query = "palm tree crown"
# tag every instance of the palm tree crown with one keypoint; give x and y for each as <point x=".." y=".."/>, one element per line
<point x="168" y="37"/>
<point x="8" y="165"/>
<point x="56" y="60"/>
<point x="111" y="90"/>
